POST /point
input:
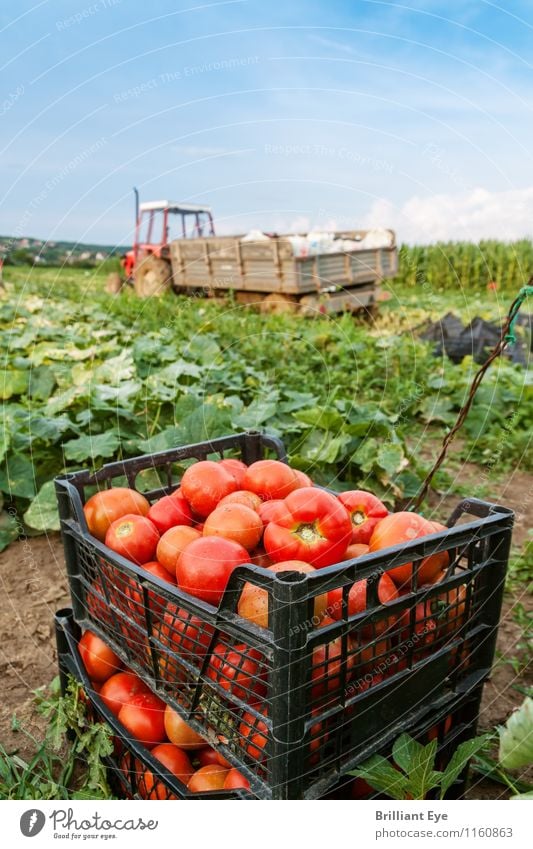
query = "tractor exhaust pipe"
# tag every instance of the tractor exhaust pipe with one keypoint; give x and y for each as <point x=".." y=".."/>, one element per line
<point x="136" y="192"/>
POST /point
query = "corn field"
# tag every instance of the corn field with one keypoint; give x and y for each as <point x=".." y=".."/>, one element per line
<point x="454" y="265"/>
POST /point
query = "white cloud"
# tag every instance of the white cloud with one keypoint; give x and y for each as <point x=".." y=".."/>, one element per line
<point x="478" y="214"/>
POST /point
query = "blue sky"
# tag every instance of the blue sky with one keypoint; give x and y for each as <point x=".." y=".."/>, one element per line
<point x="281" y="116"/>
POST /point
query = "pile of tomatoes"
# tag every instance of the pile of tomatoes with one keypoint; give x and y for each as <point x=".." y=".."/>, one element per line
<point x="147" y="719"/>
<point x="226" y="514"/>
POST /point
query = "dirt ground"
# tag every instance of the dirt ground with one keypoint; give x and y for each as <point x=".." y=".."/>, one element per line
<point x="34" y="586"/>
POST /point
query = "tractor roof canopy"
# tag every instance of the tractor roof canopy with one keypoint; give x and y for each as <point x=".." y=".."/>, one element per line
<point x="179" y="208"/>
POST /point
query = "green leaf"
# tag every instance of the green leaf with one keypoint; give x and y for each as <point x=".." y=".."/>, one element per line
<point x="522" y="796"/>
<point x="5" y="437"/>
<point x="516" y="737"/>
<point x="9" y="529"/>
<point x="390" y="458"/>
<point x="404" y="750"/>
<point x="17" y="477"/>
<point x="168" y="438"/>
<point x="47" y="428"/>
<point x="321" y="417"/>
<point x="459" y="760"/>
<point x="256" y="413"/>
<point x="382" y="776"/>
<point x="120" y="393"/>
<point x="422" y="776"/>
<point x="42" y="382"/>
<point x="13" y="383"/>
<point x="91" y="446"/>
<point x="42" y="513"/>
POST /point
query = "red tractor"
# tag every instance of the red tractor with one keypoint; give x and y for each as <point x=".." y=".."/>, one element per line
<point x="147" y="265"/>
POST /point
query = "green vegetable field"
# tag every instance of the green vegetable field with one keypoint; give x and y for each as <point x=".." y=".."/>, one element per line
<point x="88" y="377"/>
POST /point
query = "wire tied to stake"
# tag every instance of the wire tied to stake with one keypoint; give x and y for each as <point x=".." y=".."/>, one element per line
<point x="507" y="337"/>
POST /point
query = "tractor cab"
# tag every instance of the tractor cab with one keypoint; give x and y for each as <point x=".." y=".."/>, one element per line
<point x="157" y="223"/>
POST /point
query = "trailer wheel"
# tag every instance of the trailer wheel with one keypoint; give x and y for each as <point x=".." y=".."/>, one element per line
<point x="114" y="283"/>
<point x="152" y="277"/>
<point x="277" y="303"/>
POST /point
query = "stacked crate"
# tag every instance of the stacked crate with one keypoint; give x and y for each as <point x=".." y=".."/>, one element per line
<point x="320" y="700"/>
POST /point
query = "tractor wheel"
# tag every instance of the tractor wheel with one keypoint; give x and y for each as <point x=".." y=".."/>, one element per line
<point x="277" y="303"/>
<point x="152" y="277"/>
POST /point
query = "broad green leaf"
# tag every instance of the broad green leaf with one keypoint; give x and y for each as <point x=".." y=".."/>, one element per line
<point x="91" y="446"/>
<point x="63" y="400"/>
<point x="47" y="428"/>
<point x="255" y="414"/>
<point x="168" y="438"/>
<point x="516" y="737"/>
<point x="42" y="513"/>
<point x="390" y="458"/>
<point x="14" y="382"/>
<point x="422" y="776"/>
<point x="116" y="369"/>
<point x="121" y="393"/>
<point x="382" y="776"/>
<point x="42" y="382"/>
<point x="320" y="417"/>
<point x="5" y="437"/>
<point x="9" y="529"/>
<point x="404" y="750"/>
<point x="202" y="349"/>
<point x="459" y="760"/>
<point x="523" y="797"/>
<point x="365" y="456"/>
<point x="17" y="476"/>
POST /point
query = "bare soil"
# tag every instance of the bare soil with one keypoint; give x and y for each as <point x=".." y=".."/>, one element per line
<point x="34" y="586"/>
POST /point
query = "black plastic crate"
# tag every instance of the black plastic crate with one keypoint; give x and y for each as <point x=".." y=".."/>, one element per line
<point x="295" y="706"/>
<point x="131" y="760"/>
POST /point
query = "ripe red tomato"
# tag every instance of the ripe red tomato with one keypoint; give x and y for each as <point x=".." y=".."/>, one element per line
<point x="425" y="630"/>
<point x="253" y="734"/>
<point x="327" y="665"/>
<point x="135" y="594"/>
<point x="237" y="522"/>
<point x="235" y="467"/>
<point x="260" y="558"/>
<point x="133" y="537"/>
<point x="242" y="496"/>
<point x="171" y="545"/>
<point x="185" y="633"/>
<point x="314" y="527"/>
<point x="223" y="761"/>
<point x="433" y="732"/>
<point x="210" y="777"/>
<point x="365" y="512"/>
<point x="401" y="528"/>
<point x="235" y="780"/>
<point x="356" y="549"/>
<point x="176" y="762"/>
<point x="204" y="484"/>
<point x="269" y="510"/>
<point x="169" y="511"/>
<point x="357" y="603"/>
<point x="143" y="716"/>
<point x="270" y="479"/>
<point x="120" y="689"/>
<point x="99" y="660"/>
<point x="208" y="755"/>
<point x="253" y="601"/>
<point x="303" y="479"/>
<point x="238" y="670"/>
<point x="105" y="507"/>
<point x="206" y="564"/>
<point x="181" y="734"/>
